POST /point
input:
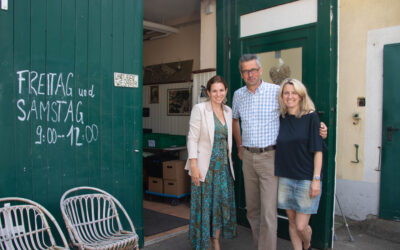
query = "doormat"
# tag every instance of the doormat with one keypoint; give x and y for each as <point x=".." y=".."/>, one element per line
<point x="155" y="222"/>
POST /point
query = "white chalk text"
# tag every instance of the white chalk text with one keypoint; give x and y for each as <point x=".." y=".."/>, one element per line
<point x="51" y="98"/>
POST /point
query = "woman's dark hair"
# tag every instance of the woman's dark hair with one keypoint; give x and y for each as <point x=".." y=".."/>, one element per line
<point x="216" y="79"/>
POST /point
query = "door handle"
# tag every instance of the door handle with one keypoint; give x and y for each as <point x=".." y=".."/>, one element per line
<point x="390" y="129"/>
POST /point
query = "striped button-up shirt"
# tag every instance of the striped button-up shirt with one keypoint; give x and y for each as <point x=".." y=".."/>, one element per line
<point x="259" y="113"/>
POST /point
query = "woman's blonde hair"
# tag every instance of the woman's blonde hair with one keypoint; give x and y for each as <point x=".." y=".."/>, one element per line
<point x="306" y="104"/>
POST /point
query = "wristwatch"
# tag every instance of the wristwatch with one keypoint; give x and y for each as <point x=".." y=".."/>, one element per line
<point x="317" y="178"/>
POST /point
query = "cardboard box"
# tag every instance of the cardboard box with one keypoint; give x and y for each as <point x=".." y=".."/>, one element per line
<point x="156" y="185"/>
<point x="176" y="187"/>
<point x="174" y="170"/>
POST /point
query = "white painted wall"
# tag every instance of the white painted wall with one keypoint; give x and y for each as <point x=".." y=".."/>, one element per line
<point x="159" y="121"/>
<point x="357" y="198"/>
<point x="208" y="35"/>
<point x="200" y="79"/>
<point x="279" y="17"/>
<point x="182" y="46"/>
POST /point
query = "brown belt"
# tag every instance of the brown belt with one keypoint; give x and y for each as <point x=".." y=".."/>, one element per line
<point x="260" y="150"/>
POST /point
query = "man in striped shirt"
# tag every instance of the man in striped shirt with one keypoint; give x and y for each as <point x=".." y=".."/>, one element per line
<point x="256" y="104"/>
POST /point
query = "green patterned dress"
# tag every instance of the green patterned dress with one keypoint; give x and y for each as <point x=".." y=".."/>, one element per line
<point x="213" y="202"/>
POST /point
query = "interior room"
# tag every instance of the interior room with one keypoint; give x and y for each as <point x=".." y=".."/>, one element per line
<point x="172" y="82"/>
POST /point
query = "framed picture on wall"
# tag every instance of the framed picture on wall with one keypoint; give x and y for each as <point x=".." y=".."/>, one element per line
<point x="154" y="94"/>
<point x="179" y="101"/>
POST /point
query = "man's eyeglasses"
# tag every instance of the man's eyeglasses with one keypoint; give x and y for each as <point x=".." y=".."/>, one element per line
<point x="250" y="71"/>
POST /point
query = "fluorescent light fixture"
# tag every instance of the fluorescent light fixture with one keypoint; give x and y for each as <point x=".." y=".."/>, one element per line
<point x="159" y="27"/>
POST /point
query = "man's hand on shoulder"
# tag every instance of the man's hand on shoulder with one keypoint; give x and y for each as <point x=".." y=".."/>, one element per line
<point x="323" y="131"/>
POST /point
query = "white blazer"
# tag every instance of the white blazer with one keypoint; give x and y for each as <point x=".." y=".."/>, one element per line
<point x="201" y="137"/>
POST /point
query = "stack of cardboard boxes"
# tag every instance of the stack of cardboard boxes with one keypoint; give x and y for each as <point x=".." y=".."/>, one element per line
<point x="175" y="180"/>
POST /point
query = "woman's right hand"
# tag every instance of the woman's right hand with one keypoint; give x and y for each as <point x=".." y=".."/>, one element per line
<point x="240" y="152"/>
<point x="196" y="175"/>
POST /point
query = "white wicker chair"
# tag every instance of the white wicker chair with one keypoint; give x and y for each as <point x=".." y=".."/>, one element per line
<point x="23" y="225"/>
<point x="93" y="222"/>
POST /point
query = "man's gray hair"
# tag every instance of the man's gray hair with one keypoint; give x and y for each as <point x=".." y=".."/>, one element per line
<point x="249" y="57"/>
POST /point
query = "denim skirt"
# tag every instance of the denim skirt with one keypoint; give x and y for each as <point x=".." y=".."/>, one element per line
<point x="295" y="195"/>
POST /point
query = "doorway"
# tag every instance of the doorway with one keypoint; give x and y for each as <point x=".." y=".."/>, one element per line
<point x="171" y="51"/>
<point x="292" y="53"/>
<point x="252" y="28"/>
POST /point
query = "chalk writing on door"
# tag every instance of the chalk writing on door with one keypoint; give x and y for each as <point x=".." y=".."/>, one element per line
<point x="50" y="97"/>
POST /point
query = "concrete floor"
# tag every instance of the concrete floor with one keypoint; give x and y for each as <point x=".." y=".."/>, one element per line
<point x="361" y="232"/>
<point x="370" y="234"/>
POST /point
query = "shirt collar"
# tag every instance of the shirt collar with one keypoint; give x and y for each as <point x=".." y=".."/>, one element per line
<point x="260" y="88"/>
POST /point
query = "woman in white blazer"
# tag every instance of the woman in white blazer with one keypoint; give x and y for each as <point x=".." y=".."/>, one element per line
<point x="209" y="143"/>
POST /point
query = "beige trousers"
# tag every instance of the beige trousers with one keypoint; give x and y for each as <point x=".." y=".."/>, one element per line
<point x="261" y="188"/>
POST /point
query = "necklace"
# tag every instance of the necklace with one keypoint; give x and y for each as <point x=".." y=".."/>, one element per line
<point x="219" y="113"/>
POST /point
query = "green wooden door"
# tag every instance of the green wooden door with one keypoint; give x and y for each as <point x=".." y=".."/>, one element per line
<point x="390" y="175"/>
<point x="296" y="49"/>
<point x="63" y="122"/>
<point x="310" y="52"/>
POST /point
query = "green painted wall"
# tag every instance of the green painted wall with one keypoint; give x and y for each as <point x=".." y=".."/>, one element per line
<point x="62" y="122"/>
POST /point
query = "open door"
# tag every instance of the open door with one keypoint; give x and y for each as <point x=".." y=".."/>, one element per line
<point x="67" y="117"/>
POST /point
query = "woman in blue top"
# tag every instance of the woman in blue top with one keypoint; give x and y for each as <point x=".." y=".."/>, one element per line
<point x="298" y="160"/>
